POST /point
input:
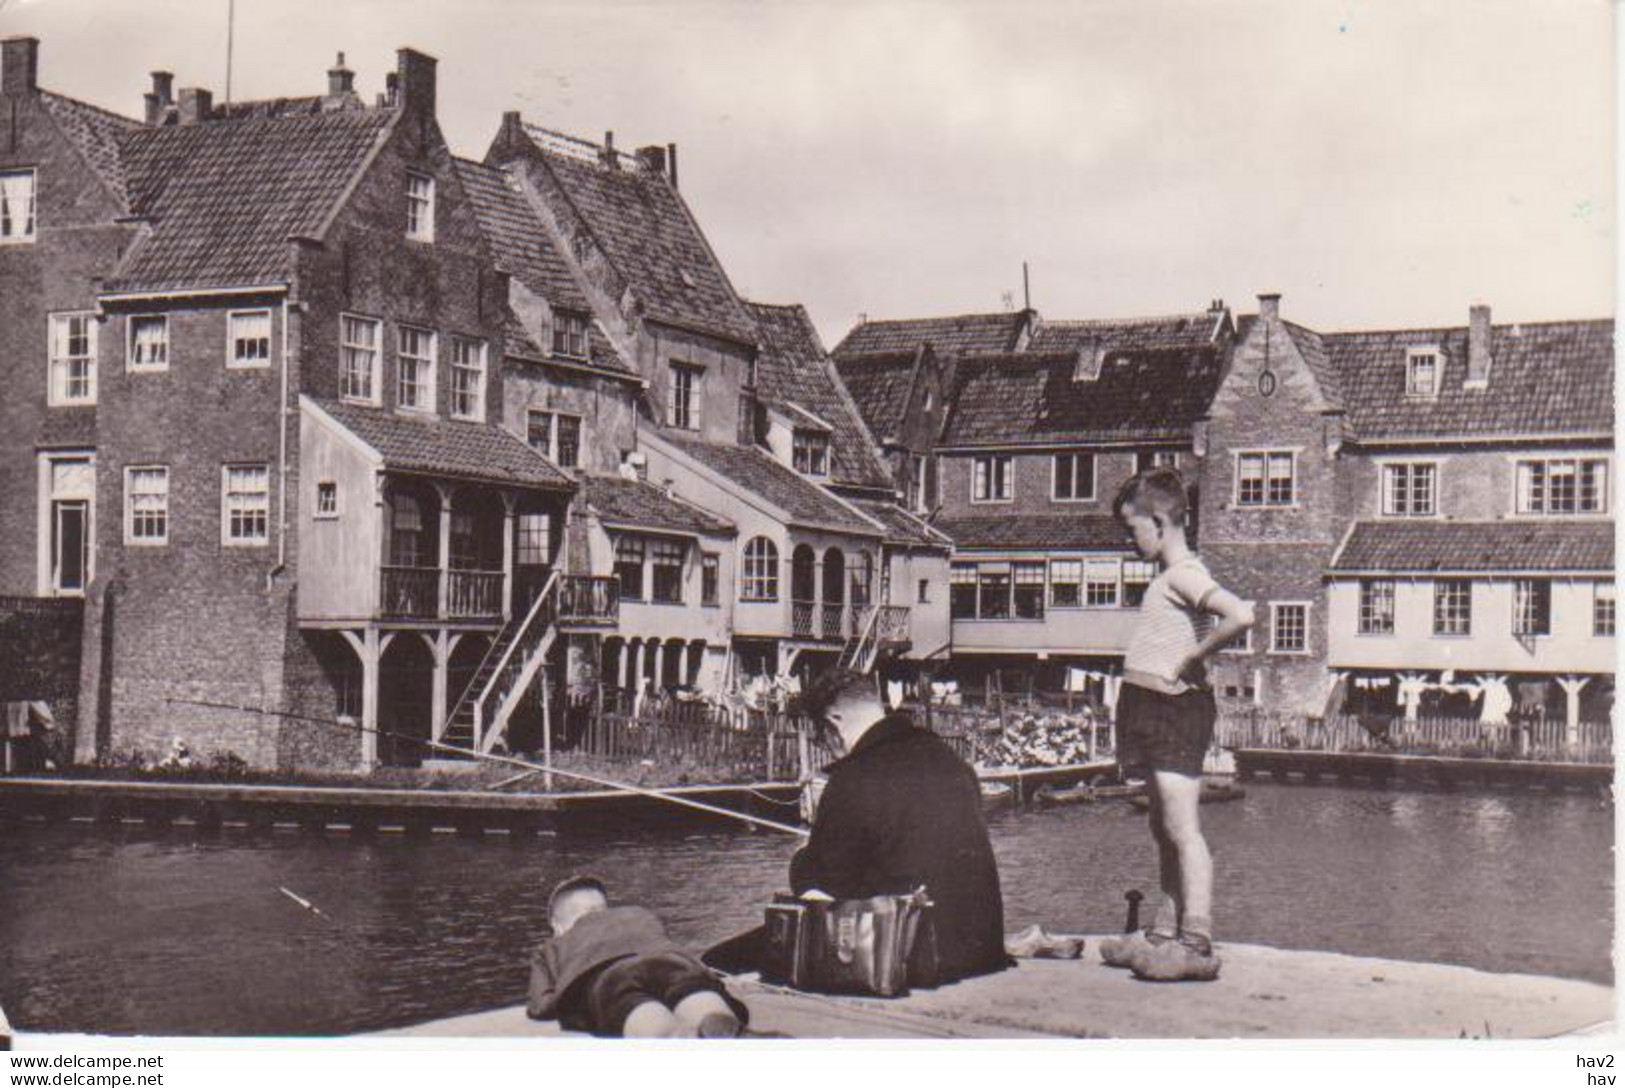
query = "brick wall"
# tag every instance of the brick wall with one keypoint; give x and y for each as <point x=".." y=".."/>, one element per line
<point x="1033" y="484"/>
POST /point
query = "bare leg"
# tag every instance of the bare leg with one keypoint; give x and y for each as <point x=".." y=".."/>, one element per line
<point x="705" y="1014"/>
<point x="1165" y="920"/>
<point x="651" y="1020"/>
<point x="1180" y="797"/>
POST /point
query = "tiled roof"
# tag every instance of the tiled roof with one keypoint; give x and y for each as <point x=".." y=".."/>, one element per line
<point x="1082" y="532"/>
<point x="1312" y="347"/>
<point x="619" y="501"/>
<point x="957" y="335"/>
<point x="793" y="368"/>
<point x="1026" y="397"/>
<point x="650" y="238"/>
<point x="805" y="502"/>
<point x="901" y="526"/>
<point x="1467" y="547"/>
<point x="275" y="107"/>
<point x="1193" y="330"/>
<point x="1554" y="378"/>
<point x="517" y="238"/>
<point x="95" y="132"/>
<point x="442" y="447"/>
<point x="224" y="197"/>
<point x="880" y="386"/>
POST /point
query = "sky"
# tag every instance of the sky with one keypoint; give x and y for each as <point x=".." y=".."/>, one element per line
<point x="1379" y="164"/>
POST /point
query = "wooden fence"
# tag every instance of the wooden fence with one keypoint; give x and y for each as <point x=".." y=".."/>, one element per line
<point x="1546" y="740"/>
<point x="735" y="743"/>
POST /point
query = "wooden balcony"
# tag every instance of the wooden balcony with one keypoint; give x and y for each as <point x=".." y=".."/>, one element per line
<point x="589" y="601"/>
<point x="434" y="593"/>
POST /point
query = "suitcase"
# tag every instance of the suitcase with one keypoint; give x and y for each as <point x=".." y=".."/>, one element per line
<point x="881" y="946"/>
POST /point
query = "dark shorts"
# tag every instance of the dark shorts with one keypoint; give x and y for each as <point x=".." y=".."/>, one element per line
<point x="1157" y="732"/>
<point x="667" y="977"/>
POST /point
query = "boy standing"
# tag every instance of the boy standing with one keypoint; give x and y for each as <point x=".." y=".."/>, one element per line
<point x="1165" y="716"/>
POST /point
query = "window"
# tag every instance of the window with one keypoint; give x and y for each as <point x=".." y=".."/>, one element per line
<point x="917" y="500"/>
<point x="1453" y="607"/>
<point x="535" y="536"/>
<point x="556" y="436"/>
<point x="1289" y="628"/>
<point x="248" y="338"/>
<point x="1145" y="460"/>
<point x="420" y="207"/>
<point x="1409" y="490"/>
<point x="1029" y="591"/>
<point x="1137" y="576"/>
<point x="414" y="386"/>
<point x="1531" y="607"/>
<point x="683" y="400"/>
<point x="810" y="453"/>
<point x="146" y="505"/>
<point x="962" y="591"/>
<point x="761" y="581"/>
<point x="1100" y="583"/>
<point x="16" y="206"/>
<point x="1241" y="644"/>
<point x="710" y="578"/>
<point x="327" y="499"/>
<point x="1563" y="486"/>
<point x="1602" y="610"/>
<point x="462" y="543"/>
<point x="863" y="580"/>
<point x="1265" y="479"/>
<point x="1065" y="583"/>
<point x="1073" y="479"/>
<point x="406" y="531"/>
<point x="629" y="566"/>
<point x="1422" y="373"/>
<point x="1376" y="606"/>
<point x="467" y="378"/>
<point x="149" y="343"/>
<point x="358" y="359"/>
<point x="990" y="481"/>
<point x="73" y="359"/>
<point x="993" y="584"/>
<point x="570" y="335"/>
<point x="924" y="596"/>
<point x="247" y="500"/>
<point x="666" y="559"/>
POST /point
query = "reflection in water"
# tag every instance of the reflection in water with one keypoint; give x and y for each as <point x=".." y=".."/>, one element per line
<point x="163" y="933"/>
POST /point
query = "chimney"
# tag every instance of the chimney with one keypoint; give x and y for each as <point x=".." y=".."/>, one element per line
<point x="19" y="65"/>
<point x="392" y="90"/>
<point x="161" y="97"/>
<point x="1478" y="347"/>
<point x="340" y="80"/>
<point x="606" y="154"/>
<point x="671" y="160"/>
<point x="652" y="159"/>
<point x="196" y="104"/>
<point x="1269" y="307"/>
<point x="416" y="81"/>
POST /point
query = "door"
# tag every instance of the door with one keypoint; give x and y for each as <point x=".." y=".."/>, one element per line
<point x="70" y="545"/>
<point x="534" y="549"/>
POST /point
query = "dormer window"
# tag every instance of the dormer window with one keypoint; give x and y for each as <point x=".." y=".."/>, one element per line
<point x="16" y="206"/>
<point x="1422" y="372"/>
<point x="1090" y="359"/>
<point x="810" y="453"/>
<point x="420" y="207"/>
<point x="570" y="335"/>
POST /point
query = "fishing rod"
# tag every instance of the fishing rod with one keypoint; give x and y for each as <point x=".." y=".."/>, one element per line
<point x="510" y="761"/>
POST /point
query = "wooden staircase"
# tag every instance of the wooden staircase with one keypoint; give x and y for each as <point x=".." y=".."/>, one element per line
<point x="885" y="627"/>
<point x="479" y="719"/>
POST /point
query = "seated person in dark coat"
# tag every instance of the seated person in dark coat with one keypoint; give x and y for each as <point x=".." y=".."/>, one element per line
<point x="614" y="971"/>
<point x="902" y="810"/>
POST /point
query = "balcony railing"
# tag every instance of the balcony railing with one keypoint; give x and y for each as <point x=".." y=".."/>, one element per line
<point x="410" y="593"/>
<point x="803" y="617"/>
<point x="415" y="593"/>
<point x="473" y="594"/>
<point x="893" y="624"/>
<point x="589" y="600"/>
<point x="833" y="613"/>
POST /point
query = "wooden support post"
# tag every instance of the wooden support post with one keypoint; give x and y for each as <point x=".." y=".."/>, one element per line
<point x="507" y="555"/>
<point x="440" y="650"/>
<point x="1572" y="686"/>
<point x="369" y="650"/>
<point x="445" y="493"/>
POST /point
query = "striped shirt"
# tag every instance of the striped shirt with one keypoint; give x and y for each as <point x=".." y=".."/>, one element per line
<point x="1174" y="619"/>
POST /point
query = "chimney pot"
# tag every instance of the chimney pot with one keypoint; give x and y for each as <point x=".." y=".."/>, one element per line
<point x="196" y="104"/>
<point x="417" y="80"/>
<point x="1269" y="307"/>
<point x="606" y="154"/>
<point x="340" y="79"/>
<point x="671" y="163"/>
<point x="1478" y="346"/>
<point x="652" y="159"/>
<point x="19" y="65"/>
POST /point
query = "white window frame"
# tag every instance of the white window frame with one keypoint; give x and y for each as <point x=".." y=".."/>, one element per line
<point x="317" y="512"/>
<point x="226" y="537"/>
<point x="687" y="415"/>
<point x="1242" y="643"/>
<point x="46" y="572"/>
<point x="563" y="322"/>
<point x="462" y="367"/>
<point x="31" y="216"/>
<point x="375" y="375"/>
<point x="427" y="376"/>
<point x="130" y="364"/>
<point x="1159" y="459"/>
<point x="1009" y="478"/>
<point x="1518" y="600"/>
<point x="1414" y="356"/>
<point x="921" y="503"/>
<point x="1055" y="476"/>
<point x="1386" y="508"/>
<point x="760" y="578"/>
<point x="813" y="442"/>
<point x="1115" y="582"/>
<point x="1433" y="618"/>
<point x="57" y="383"/>
<point x="130" y="537"/>
<point x="1360" y="611"/>
<point x="1604" y="593"/>
<point x="1070" y="564"/>
<point x="420" y="207"/>
<point x="1519" y="463"/>
<point x="1266" y="453"/>
<point x="1275" y="627"/>
<point x="232" y="361"/>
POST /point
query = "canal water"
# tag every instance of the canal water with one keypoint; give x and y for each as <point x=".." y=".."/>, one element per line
<point x="171" y="933"/>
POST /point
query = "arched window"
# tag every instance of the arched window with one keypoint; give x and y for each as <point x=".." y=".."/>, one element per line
<point x="761" y="581"/>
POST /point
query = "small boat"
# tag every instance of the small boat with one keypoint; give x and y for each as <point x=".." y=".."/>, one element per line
<point x="1087" y="794"/>
<point x="997" y="795"/>
<point x="1212" y="793"/>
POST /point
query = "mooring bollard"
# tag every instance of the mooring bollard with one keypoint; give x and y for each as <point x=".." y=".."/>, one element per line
<point x="1133" y="895"/>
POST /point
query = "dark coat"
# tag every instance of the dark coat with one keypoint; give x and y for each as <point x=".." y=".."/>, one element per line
<point x="595" y="940"/>
<point x="902" y="810"/>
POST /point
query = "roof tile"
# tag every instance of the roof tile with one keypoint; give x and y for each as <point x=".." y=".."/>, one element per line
<point x="757" y="472"/>
<point x="619" y="501"/>
<point x="1082" y="532"/>
<point x="947" y="335"/>
<point x="1471" y="547"/>
<point x="880" y="385"/>
<point x="442" y="447"/>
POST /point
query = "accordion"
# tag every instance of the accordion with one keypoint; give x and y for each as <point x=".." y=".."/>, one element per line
<point x="880" y="946"/>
